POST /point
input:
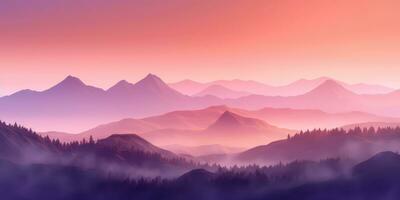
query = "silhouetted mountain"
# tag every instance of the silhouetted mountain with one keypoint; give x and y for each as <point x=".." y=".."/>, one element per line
<point x="121" y="87"/>
<point x="127" y="155"/>
<point x="71" y="105"/>
<point x="188" y="87"/>
<point x="69" y="84"/>
<point x="329" y="96"/>
<point x="203" y="150"/>
<point x="362" y="88"/>
<point x="123" y="126"/>
<point x="372" y="179"/>
<point x="18" y="143"/>
<point x="376" y="125"/>
<point x="302" y="119"/>
<point x="196" y="176"/>
<point x="201" y="119"/>
<point x="150" y="88"/>
<point x="330" y="87"/>
<point x="355" y="144"/>
<point x="298" y="87"/>
<point x="69" y="102"/>
<point x="229" y="129"/>
<point x="221" y="92"/>
<point x="183" y="120"/>
<point x="230" y="121"/>
<point x="127" y="142"/>
<point x="156" y="86"/>
<point x="383" y="165"/>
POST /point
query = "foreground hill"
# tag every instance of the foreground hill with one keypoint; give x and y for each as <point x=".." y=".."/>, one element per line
<point x="126" y="154"/>
<point x="375" y="178"/>
<point x="354" y="144"/>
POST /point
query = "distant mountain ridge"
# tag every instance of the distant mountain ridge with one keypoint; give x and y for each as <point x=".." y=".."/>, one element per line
<point x="298" y="87"/>
<point x="73" y="106"/>
<point x="197" y="120"/>
<point x="221" y="92"/>
<point x="329" y="96"/>
<point x="229" y="129"/>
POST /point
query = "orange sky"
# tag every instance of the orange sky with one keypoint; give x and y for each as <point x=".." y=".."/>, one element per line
<point x="272" y="41"/>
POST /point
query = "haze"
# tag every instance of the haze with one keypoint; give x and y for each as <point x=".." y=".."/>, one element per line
<point x="103" y="41"/>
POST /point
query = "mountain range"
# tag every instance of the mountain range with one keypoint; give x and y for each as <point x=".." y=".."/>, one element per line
<point x="229" y="129"/>
<point x="221" y="92"/>
<point x="353" y="144"/>
<point x="298" y="87"/>
<point x="119" y="154"/>
<point x="177" y="127"/>
<point x="329" y="96"/>
<point x="73" y="106"/>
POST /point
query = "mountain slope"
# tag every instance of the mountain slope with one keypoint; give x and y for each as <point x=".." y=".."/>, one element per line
<point x="375" y="125"/>
<point x="72" y="106"/>
<point x="329" y="96"/>
<point x="129" y="142"/>
<point x="122" y="126"/>
<point x="128" y="155"/>
<point x="221" y="92"/>
<point x="383" y="165"/>
<point x="188" y="87"/>
<point x="228" y="130"/>
<point x="203" y="150"/>
<point x="355" y="144"/>
<point x="192" y="120"/>
<point x="310" y="118"/>
<point x="235" y="130"/>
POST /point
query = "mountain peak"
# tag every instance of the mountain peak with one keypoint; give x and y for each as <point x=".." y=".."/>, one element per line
<point x="330" y="86"/>
<point x="151" y="79"/>
<point x="228" y="116"/>
<point x="196" y="176"/>
<point x="125" y="141"/>
<point x="122" y="84"/>
<point x="154" y="84"/>
<point x="129" y="142"/>
<point x="330" y="83"/>
<point x="233" y="122"/>
<point x="383" y="164"/>
<point x="227" y="119"/>
<point x="70" y="82"/>
<point x="219" y="107"/>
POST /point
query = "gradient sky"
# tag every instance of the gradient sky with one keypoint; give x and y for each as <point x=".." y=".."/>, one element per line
<point x="272" y="41"/>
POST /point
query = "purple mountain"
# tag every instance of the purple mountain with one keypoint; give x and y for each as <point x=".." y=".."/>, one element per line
<point x="71" y="105"/>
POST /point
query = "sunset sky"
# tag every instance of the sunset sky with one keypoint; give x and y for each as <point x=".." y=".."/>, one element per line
<point x="272" y="41"/>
